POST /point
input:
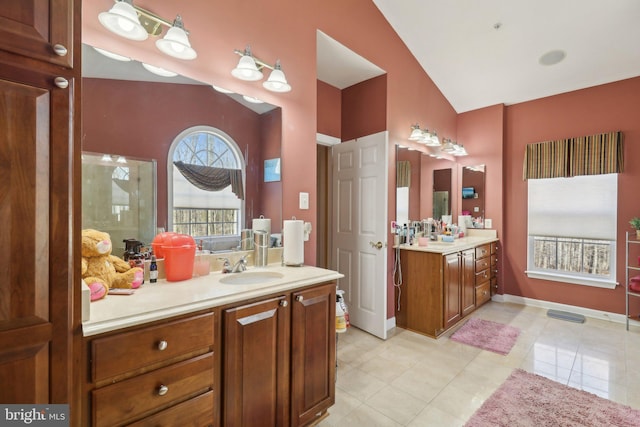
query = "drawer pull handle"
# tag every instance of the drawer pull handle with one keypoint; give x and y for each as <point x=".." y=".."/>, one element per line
<point x="162" y="390"/>
<point x="61" y="82"/>
<point x="284" y="303"/>
<point x="299" y="298"/>
<point x="60" y="50"/>
<point x="162" y="345"/>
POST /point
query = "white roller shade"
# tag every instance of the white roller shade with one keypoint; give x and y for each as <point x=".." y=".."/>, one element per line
<point x="581" y="206"/>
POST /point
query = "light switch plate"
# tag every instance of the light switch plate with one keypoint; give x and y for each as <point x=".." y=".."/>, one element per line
<point x="304" y="200"/>
<point x="487" y="223"/>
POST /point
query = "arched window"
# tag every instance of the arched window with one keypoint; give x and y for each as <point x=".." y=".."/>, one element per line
<point x="211" y="215"/>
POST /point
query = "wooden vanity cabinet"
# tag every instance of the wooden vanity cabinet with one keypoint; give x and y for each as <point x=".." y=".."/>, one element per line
<point x="155" y="374"/>
<point x="256" y="364"/>
<point x="483" y="274"/>
<point x="440" y="290"/>
<point x="279" y="359"/>
<point x="459" y="286"/>
<point x="494" y="268"/>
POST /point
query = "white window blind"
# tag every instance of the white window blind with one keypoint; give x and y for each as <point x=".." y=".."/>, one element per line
<point x="581" y="206"/>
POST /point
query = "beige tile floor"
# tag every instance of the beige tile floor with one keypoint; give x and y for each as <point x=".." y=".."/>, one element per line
<point x="413" y="380"/>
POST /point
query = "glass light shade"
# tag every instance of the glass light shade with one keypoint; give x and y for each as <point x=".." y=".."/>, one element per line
<point x="448" y="147"/>
<point x="435" y="141"/>
<point x="277" y="82"/>
<point x="112" y="55"/>
<point x="159" y="71"/>
<point x="221" y="89"/>
<point x="247" y="69"/>
<point x="122" y="20"/>
<point x="176" y="43"/>
<point x="416" y="133"/>
<point x="252" y="99"/>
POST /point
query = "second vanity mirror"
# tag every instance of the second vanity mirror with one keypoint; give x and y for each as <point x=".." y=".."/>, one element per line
<point x="473" y="195"/>
<point x="127" y="115"/>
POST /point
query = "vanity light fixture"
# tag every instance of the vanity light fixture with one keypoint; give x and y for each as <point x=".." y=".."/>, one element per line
<point x="132" y="22"/>
<point x="249" y="68"/>
<point x="430" y="139"/>
<point x="221" y="89"/>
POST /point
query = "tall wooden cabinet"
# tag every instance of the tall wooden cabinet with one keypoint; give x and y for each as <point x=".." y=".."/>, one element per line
<point x="39" y="175"/>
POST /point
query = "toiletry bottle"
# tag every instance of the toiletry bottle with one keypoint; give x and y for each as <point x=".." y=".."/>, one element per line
<point x="153" y="270"/>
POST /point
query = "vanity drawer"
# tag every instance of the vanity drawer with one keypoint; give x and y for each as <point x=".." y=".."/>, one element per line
<point x="483" y="294"/>
<point x="482" y="276"/>
<point x="494" y="260"/>
<point x="482" y="251"/>
<point x="482" y="264"/>
<point x="129" y="399"/>
<point x="194" y="412"/>
<point x="494" y="247"/>
<point x="129" y="351"/>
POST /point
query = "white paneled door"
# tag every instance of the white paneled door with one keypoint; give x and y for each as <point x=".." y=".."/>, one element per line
<point x="360" y="179"/>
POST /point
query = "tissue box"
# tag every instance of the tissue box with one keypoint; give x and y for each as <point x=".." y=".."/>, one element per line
<point x="448" y="239"/>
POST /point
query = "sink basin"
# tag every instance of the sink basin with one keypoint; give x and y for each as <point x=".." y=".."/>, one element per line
<point x="251" y="277"/>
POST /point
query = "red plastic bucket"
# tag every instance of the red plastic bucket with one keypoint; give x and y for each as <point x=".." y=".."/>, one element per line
<point x="179" y="255"/>
<point x="160" y="240"/>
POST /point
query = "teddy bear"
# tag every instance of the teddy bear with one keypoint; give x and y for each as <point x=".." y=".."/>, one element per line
<point x="101" y="270"/>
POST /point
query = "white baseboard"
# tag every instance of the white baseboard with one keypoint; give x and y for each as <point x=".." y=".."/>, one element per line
<point x="587" y="312"/>
<point x="391" y="323"/>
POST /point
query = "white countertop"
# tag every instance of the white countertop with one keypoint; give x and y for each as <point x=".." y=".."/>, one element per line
<point x="156" y="301"/>
<point x="475" y="238"/>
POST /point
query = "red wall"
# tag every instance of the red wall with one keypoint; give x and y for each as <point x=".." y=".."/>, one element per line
<point x="329" y="117"/>
<point x="364" y="108"/>
<point x="604" y="108"/>
<point x="141" y="119"/>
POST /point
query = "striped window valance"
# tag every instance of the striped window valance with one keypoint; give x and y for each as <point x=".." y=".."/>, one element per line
<point x="403" y="173"/>
<point x="586" y="155"/>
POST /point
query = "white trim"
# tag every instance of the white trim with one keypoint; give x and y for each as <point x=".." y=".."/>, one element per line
<point x="327" y="140"/>
<point x="587" y="312"/>
<point x="575" y="280"/>
<point x="390" y="324"/>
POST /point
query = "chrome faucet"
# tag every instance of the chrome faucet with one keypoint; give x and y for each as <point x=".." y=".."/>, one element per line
<point x="238" y="267"/>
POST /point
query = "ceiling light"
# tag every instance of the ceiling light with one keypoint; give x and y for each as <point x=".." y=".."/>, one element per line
<point x="159" y="71"/>
<point x="121" y="159"/>
<point x="122" y="19"/>
<point x="552" y="57"/>
<point x="176" y="42"/>
<point x="112" y="55"/>
<point x="106" y="158"/>
<point x="277" y="82"/>
<point x="247" y="69"/>
<point x="221" y="89"/>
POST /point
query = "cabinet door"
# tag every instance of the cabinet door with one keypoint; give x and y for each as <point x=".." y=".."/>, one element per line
<point x="468" y="281"/>
<point x="313" y="353"/>
<point x="35" y="237"/>
<point x="451" y="283"/>
<point x="40" y="29"/>
<point x="256" y="363"/>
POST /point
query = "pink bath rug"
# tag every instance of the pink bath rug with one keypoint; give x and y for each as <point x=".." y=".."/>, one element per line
<point x="487" y="335"/>
<point x="527" y="399"/>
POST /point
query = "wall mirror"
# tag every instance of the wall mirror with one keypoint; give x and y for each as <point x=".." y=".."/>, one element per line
<point x="129" y="112"/>
<point x="473" y="195"/>
<point x="423" y="186"/>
